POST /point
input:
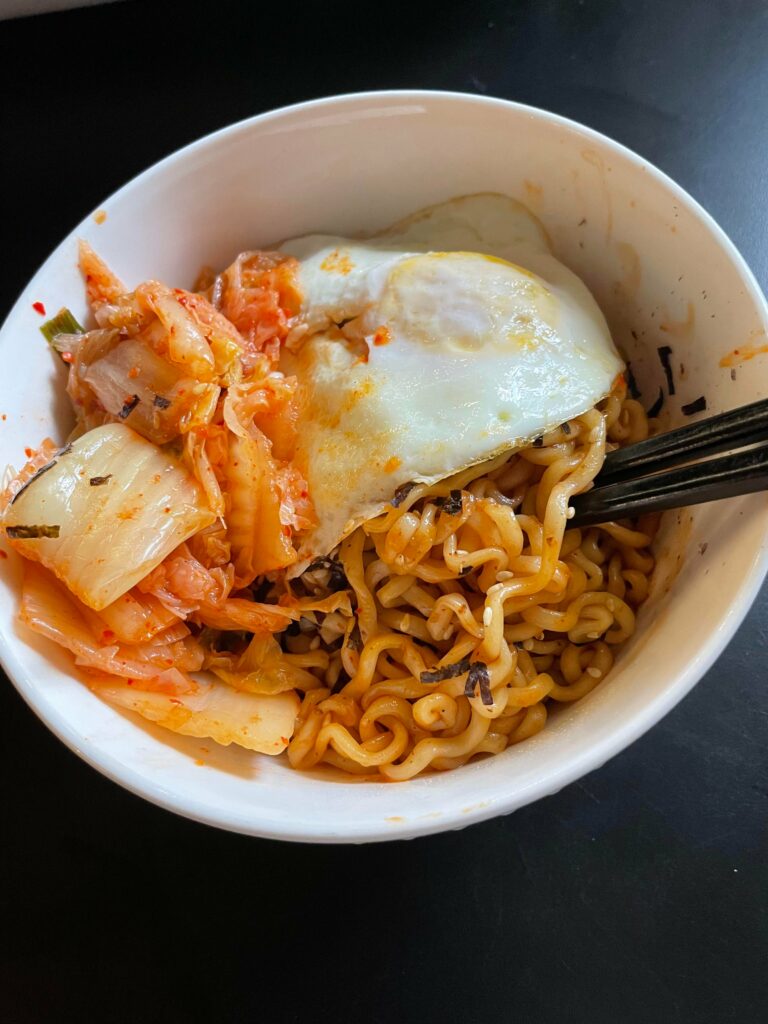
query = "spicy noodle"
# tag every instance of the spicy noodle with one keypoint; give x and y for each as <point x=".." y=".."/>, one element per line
<point x="474" y="610"/>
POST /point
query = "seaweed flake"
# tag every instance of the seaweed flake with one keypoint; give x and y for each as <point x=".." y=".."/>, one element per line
<point x="97" y="481"/>
<point x="664" y="352"/>
<point x="160" y="402"/>
<point x="437" y="675"/>
<point x="128" y="406"/>
<point x="402" y="493"/>
<point x="697" y="405"/>
<point x="634" y="390"/>
<point x="452" y="505"/>
<point x="337" y="578"/>
<point x="35" y="476"/>
<point x="478" y="677"/>
<point x="565" y="427"/>
<point x="655" y="409"/>
<point x="538" y="441"/>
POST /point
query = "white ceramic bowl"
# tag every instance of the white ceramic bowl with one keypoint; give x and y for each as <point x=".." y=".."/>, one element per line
<point x="663" y="272"/>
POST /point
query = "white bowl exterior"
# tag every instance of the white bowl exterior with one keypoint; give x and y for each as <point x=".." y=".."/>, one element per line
<point x="658" y="265"/>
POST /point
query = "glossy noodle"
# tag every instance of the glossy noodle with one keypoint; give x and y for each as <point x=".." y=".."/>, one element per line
<point x="475" y="610"/>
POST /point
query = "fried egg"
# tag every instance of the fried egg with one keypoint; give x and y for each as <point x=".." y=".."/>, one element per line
<point x="449" y="338"/>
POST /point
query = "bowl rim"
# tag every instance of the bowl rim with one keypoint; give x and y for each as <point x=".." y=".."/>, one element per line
<point x="626" y="732"/>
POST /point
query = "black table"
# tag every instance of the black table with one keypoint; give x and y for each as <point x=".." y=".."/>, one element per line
<point x="635" y="895"/>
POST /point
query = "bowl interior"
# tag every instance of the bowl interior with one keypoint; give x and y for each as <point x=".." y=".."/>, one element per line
<point x="664" y="275"/>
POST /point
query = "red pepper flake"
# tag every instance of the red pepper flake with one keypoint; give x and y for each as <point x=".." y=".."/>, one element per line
<point x="174" y="701"/>
<point x="382" y="336"/>
<point x="133" y="373"/>
<point x="29" y="452"/>
<point x="107" y="634"/>
<point x="3" y="554"/>
<point x="66" y="357"/>
<point x="39" y="308"/>
<point x="4" y="417"/>
<point x="167" y="508"/>
<point x="287" y="531"/>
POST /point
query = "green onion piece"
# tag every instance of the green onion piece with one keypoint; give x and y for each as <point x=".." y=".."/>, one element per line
<point x="32" y="532"/>
<point x="63" y="323"/>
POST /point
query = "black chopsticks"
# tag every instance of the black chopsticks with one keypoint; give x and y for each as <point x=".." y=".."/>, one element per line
<point x="640" y="478"/>
<point x="721" y="433"/>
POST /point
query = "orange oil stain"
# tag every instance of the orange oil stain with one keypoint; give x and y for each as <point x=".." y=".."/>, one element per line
<point x="743" y="354"/>
<point x="354" y="397"/>
<point x="337" y="263"/>
<point x="392" y="464"/>
<point x="100" y="216"/>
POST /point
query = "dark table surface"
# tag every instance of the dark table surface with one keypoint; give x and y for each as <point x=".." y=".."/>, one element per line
<point x="635" y="895"/>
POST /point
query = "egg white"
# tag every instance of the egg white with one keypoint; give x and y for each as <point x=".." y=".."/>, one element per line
<point x="443" y="341"/>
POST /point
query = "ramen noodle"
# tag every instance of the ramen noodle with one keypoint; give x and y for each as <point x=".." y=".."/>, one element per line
<point x="475" y="612"/>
